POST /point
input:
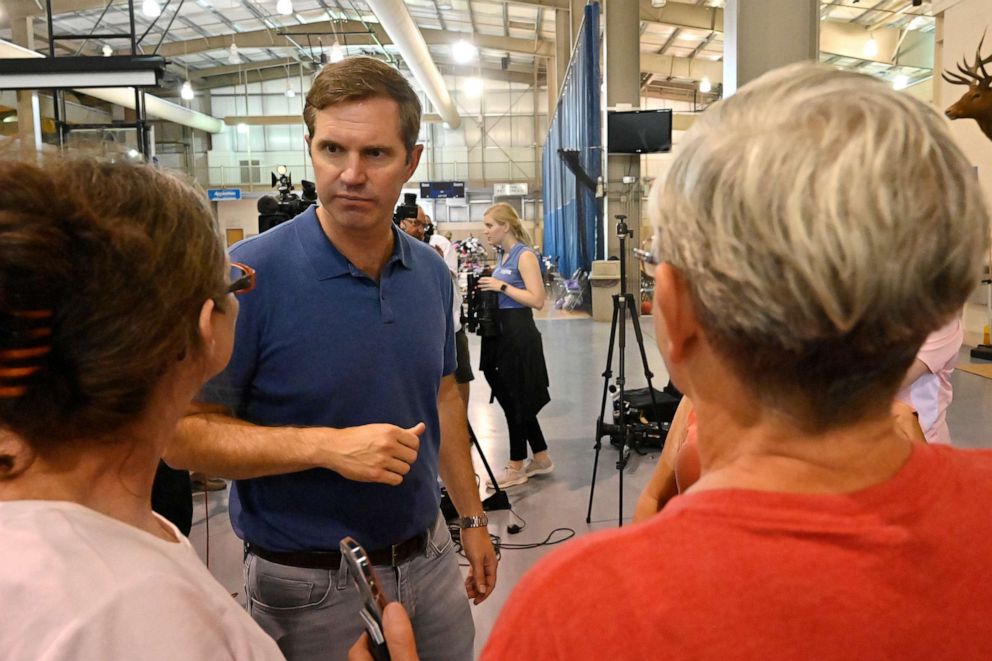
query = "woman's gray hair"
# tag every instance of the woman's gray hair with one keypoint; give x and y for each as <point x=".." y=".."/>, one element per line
<point x="825" y="224"/>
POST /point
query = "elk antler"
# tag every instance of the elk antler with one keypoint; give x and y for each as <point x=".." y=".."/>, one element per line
<point x="972" y="70"/>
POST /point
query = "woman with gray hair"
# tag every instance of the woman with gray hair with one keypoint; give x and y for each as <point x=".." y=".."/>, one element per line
<point x="814" y="229"/>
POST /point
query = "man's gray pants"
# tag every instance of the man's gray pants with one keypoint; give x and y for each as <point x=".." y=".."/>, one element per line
<point x="313" y="613"/>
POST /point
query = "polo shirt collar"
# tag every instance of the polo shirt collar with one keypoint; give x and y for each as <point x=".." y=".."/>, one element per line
<point x="327" y="261"/>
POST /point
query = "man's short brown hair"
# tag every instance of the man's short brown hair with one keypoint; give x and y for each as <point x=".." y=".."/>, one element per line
<point x="359" y="78"/>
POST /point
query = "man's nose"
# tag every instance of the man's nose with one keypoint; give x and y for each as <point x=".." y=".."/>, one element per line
<point x="354" y="171"/>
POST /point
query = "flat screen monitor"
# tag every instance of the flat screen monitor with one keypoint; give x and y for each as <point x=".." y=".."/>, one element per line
<point x="639" y="131"/>
<point x="440" y="190"/>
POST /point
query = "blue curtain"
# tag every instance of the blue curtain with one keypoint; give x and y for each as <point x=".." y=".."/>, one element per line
<point x="571" y="210"/>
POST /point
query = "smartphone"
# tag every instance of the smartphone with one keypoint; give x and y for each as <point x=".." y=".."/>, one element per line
<point x="373" y="598"/>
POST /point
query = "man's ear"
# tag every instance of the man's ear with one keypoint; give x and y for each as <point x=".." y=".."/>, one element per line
<point x="418" y="151"/>
<point x="208" y="334"/>
<point x="673" y="300"/>
<point x="307" y="138"/>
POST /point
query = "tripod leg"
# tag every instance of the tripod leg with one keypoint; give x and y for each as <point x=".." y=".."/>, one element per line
<point x="644" y="356"/>
<point x="600" y="425"/>
<point x="482" y="455"/>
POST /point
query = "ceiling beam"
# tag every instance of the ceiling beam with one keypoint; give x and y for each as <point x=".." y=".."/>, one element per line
<point x="683" y="16"/>
<point x="664" y="66"/>
<point x="362" y="37"/>
<point x="226" y="69"/>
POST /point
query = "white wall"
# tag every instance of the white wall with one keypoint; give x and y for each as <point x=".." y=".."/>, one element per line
<point x="960" y="25"/>
<point x="500" y="138"/>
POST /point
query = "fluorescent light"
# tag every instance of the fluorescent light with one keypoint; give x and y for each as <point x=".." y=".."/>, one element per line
<point x="205" y="4"/>
<point x="242" y="127"/>
<point x="871" y="47"/>
<point x="473" y="86"/>
<point x="232" y="54"/>
<point x="337" y="52"/>
<point x="186" y="92"/>
<point x="284" y="7"/>
<point x="151" y="8"/>
<point x="705" y="85"/>
<point x="107" y="50"/>
<point x="463" y="51"/>
<point x="900" y="82"/>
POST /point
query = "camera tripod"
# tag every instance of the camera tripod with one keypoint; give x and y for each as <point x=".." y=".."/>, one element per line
<point x="623" y="305"/>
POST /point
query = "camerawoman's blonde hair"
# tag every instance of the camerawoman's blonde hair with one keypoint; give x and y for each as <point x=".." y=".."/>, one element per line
<point x="825" y="224"/>
<point x="506" y="215"/>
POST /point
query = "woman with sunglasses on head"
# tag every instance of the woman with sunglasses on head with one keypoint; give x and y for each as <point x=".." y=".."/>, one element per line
<point x="513" y="361"/>
<point x="115" y="307"/>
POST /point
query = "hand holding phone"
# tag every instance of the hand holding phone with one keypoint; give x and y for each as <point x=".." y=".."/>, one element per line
<point x="373" y="598"/>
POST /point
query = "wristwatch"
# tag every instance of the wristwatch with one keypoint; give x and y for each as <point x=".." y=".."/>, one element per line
<point x="473" y="521"/>
<point x="502" y="287"/>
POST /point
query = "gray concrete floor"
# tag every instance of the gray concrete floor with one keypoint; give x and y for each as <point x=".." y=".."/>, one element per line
<point x="575" y="349"/>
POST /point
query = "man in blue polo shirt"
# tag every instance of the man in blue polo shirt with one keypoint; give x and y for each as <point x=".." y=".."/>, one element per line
<point x="339" y="408"/>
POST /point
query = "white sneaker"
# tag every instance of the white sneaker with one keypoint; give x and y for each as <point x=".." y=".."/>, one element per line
<point x="510" y="477"/>
<point x="536" y="467"/>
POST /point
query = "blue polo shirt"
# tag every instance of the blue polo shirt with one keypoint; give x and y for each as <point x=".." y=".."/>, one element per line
<point x="319" y="343"/>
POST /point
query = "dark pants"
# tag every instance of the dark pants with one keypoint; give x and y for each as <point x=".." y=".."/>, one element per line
<point x="523" y="432"/>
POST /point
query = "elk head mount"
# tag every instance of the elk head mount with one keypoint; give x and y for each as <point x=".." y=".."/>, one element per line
<point x="976" y="103"/>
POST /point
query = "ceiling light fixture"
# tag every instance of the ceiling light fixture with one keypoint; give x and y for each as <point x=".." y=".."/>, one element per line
<point x="186" y="92"/>
<point x="151" y="8"/>
<point x="463" y="51"/>
<point x="242" y="127"/>
<point x="705" y="86"/>
<point x="107" y="50"/>
<point x="284" y="7"/>
<point x="900" y="82"/>
<point x="290" y="92"/>
<point x="871" y="47"/>
<point x="232" y="54"/>
<point x="337" y="52"/>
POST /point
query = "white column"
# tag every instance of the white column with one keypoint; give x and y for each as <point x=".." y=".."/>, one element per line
<point x="621" y="55"/>
<point x="765" y="35"/>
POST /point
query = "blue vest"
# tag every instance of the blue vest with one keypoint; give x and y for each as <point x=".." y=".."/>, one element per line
<point x="319" y="343"/>
<point x="508" y="270"/>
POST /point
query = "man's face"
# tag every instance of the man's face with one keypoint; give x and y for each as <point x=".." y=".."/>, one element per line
<point x="359" y="162"/>
<point x="416" y="227"/>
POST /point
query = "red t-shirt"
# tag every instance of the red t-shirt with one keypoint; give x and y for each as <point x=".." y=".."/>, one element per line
<point x="897" y="571"/>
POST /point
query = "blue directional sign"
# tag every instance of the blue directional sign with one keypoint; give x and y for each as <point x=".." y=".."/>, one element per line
<point x="221" y="194"/>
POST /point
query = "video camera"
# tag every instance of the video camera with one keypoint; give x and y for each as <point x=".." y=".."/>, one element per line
<point x="409" y="209"/>
<point x="287" y="205"/>
<point x="479" y="308"/>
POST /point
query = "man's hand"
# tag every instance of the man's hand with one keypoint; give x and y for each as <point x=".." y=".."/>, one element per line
<point x="399" y="637"/>
<point x="482" y="563"/>
<point x="370" y="453"/>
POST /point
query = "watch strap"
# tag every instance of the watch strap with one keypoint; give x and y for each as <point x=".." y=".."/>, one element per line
<point x="473" y="521"/>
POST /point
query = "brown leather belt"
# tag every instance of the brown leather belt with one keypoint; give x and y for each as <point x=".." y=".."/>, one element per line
<point x="394" y="556"/>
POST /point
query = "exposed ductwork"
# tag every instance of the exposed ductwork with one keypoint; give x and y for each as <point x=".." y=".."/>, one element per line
<point x="401" y="28"/>
<point x="124" y="96"/>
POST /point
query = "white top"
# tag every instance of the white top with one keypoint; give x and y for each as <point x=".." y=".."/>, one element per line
<point x="449" y="255"/>
<point x="931" y="394"/>
<point x="75" y="584"/>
